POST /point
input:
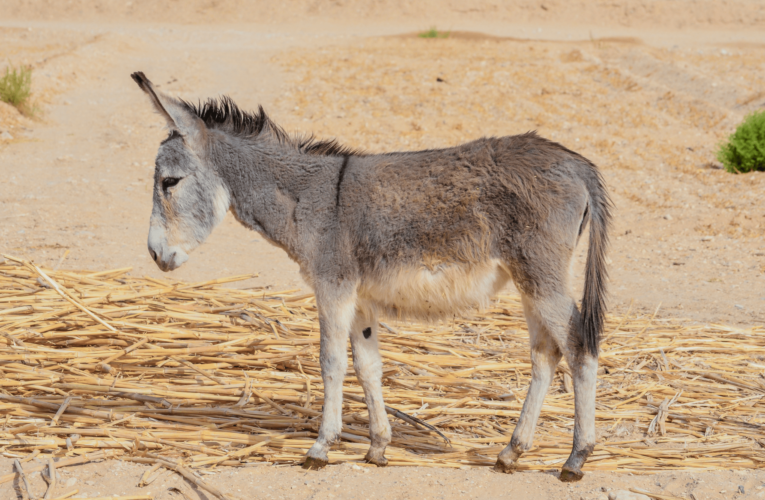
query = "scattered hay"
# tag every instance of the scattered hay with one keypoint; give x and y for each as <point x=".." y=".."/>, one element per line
<point x="199" y="375"/>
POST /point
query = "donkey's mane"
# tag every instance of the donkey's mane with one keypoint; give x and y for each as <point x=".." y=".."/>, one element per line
<point x="223" y="114"/>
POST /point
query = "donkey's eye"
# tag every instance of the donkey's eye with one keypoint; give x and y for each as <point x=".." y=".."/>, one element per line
<point x="169" y="182"/>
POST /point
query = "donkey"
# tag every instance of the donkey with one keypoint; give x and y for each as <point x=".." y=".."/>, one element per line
<point x="420" y="235"/>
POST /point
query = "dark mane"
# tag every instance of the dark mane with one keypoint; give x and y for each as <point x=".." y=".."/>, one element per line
<point x="223" y="114"/>
<point x="312" y="146"/>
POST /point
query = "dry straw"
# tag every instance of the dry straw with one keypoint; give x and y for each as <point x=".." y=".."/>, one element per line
<point x="192" y="376"/>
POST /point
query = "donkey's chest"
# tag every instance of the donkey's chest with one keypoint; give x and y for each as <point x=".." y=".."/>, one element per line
<point x="432" y="294"/>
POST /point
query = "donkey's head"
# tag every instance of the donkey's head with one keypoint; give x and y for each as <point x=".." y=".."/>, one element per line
<point x="190" y="199"/>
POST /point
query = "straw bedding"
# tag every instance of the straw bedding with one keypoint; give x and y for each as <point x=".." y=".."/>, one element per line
<point x="190" y="376"/>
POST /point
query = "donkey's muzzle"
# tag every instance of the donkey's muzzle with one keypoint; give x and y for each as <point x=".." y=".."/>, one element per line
<point x="166" y="257"/>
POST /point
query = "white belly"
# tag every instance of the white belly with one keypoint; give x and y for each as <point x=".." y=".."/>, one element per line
<point x="432" y="294"/>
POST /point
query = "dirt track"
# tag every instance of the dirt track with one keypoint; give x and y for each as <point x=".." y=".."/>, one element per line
<point x="645" y="89"/>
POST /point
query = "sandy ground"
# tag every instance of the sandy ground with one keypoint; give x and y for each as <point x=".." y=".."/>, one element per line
<point x="645" y="89"/>
<point x="353" y="482"/>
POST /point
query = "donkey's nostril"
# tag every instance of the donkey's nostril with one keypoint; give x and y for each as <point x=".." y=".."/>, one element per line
<point x="153" y="255"/>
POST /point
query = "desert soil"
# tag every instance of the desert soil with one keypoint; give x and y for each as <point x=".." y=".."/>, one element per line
<point x="647" y="90"/>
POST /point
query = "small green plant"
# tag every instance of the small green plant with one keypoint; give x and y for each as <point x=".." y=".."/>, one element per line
<point x="434" y="33"/>
<point x="16" y="87"/>
<point x="745" y="149"/>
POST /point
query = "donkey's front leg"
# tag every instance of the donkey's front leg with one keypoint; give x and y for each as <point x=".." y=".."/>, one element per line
<point x="336" y="314"/>
<point x="368" y="366"/>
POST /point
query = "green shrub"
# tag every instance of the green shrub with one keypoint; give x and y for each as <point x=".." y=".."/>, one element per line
<point x="745" y="149"/>
<point x="16" y="86"/>
<point x="434" y="33"/>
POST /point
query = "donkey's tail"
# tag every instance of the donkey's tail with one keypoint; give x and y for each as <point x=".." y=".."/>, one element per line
<point x="593" y="313"/>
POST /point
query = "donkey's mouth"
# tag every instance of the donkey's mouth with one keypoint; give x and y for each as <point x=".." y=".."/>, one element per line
<point x="168" y="266"/>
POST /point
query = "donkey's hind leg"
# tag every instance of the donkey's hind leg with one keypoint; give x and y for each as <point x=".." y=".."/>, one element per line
<point x="545" y="356"/>
<point x="559" y="316"/>
<point x="368" y="366"/>
<point x="584" y="368"/>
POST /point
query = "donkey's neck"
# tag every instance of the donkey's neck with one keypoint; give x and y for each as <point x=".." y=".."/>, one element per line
<point x="268" y="180"/>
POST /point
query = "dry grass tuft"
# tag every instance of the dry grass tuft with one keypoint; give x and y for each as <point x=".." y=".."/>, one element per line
<point x="200" y="375"/>
<point x="16" y="88"/>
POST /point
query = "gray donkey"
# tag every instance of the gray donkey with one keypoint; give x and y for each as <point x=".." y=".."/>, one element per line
<point x="419" y="235"/>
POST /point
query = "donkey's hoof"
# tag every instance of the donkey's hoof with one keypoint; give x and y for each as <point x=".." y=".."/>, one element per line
<point x="568" y="475"/>
<point x="378" y="460"/>
<point x="312" y="463"/>
<point x="507" y="468"/>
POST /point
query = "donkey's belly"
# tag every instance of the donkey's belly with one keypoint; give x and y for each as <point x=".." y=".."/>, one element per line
<point x="432" y="294"/>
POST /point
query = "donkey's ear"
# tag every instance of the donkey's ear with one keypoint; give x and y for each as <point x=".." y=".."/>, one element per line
<point x="178" y="115"/>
